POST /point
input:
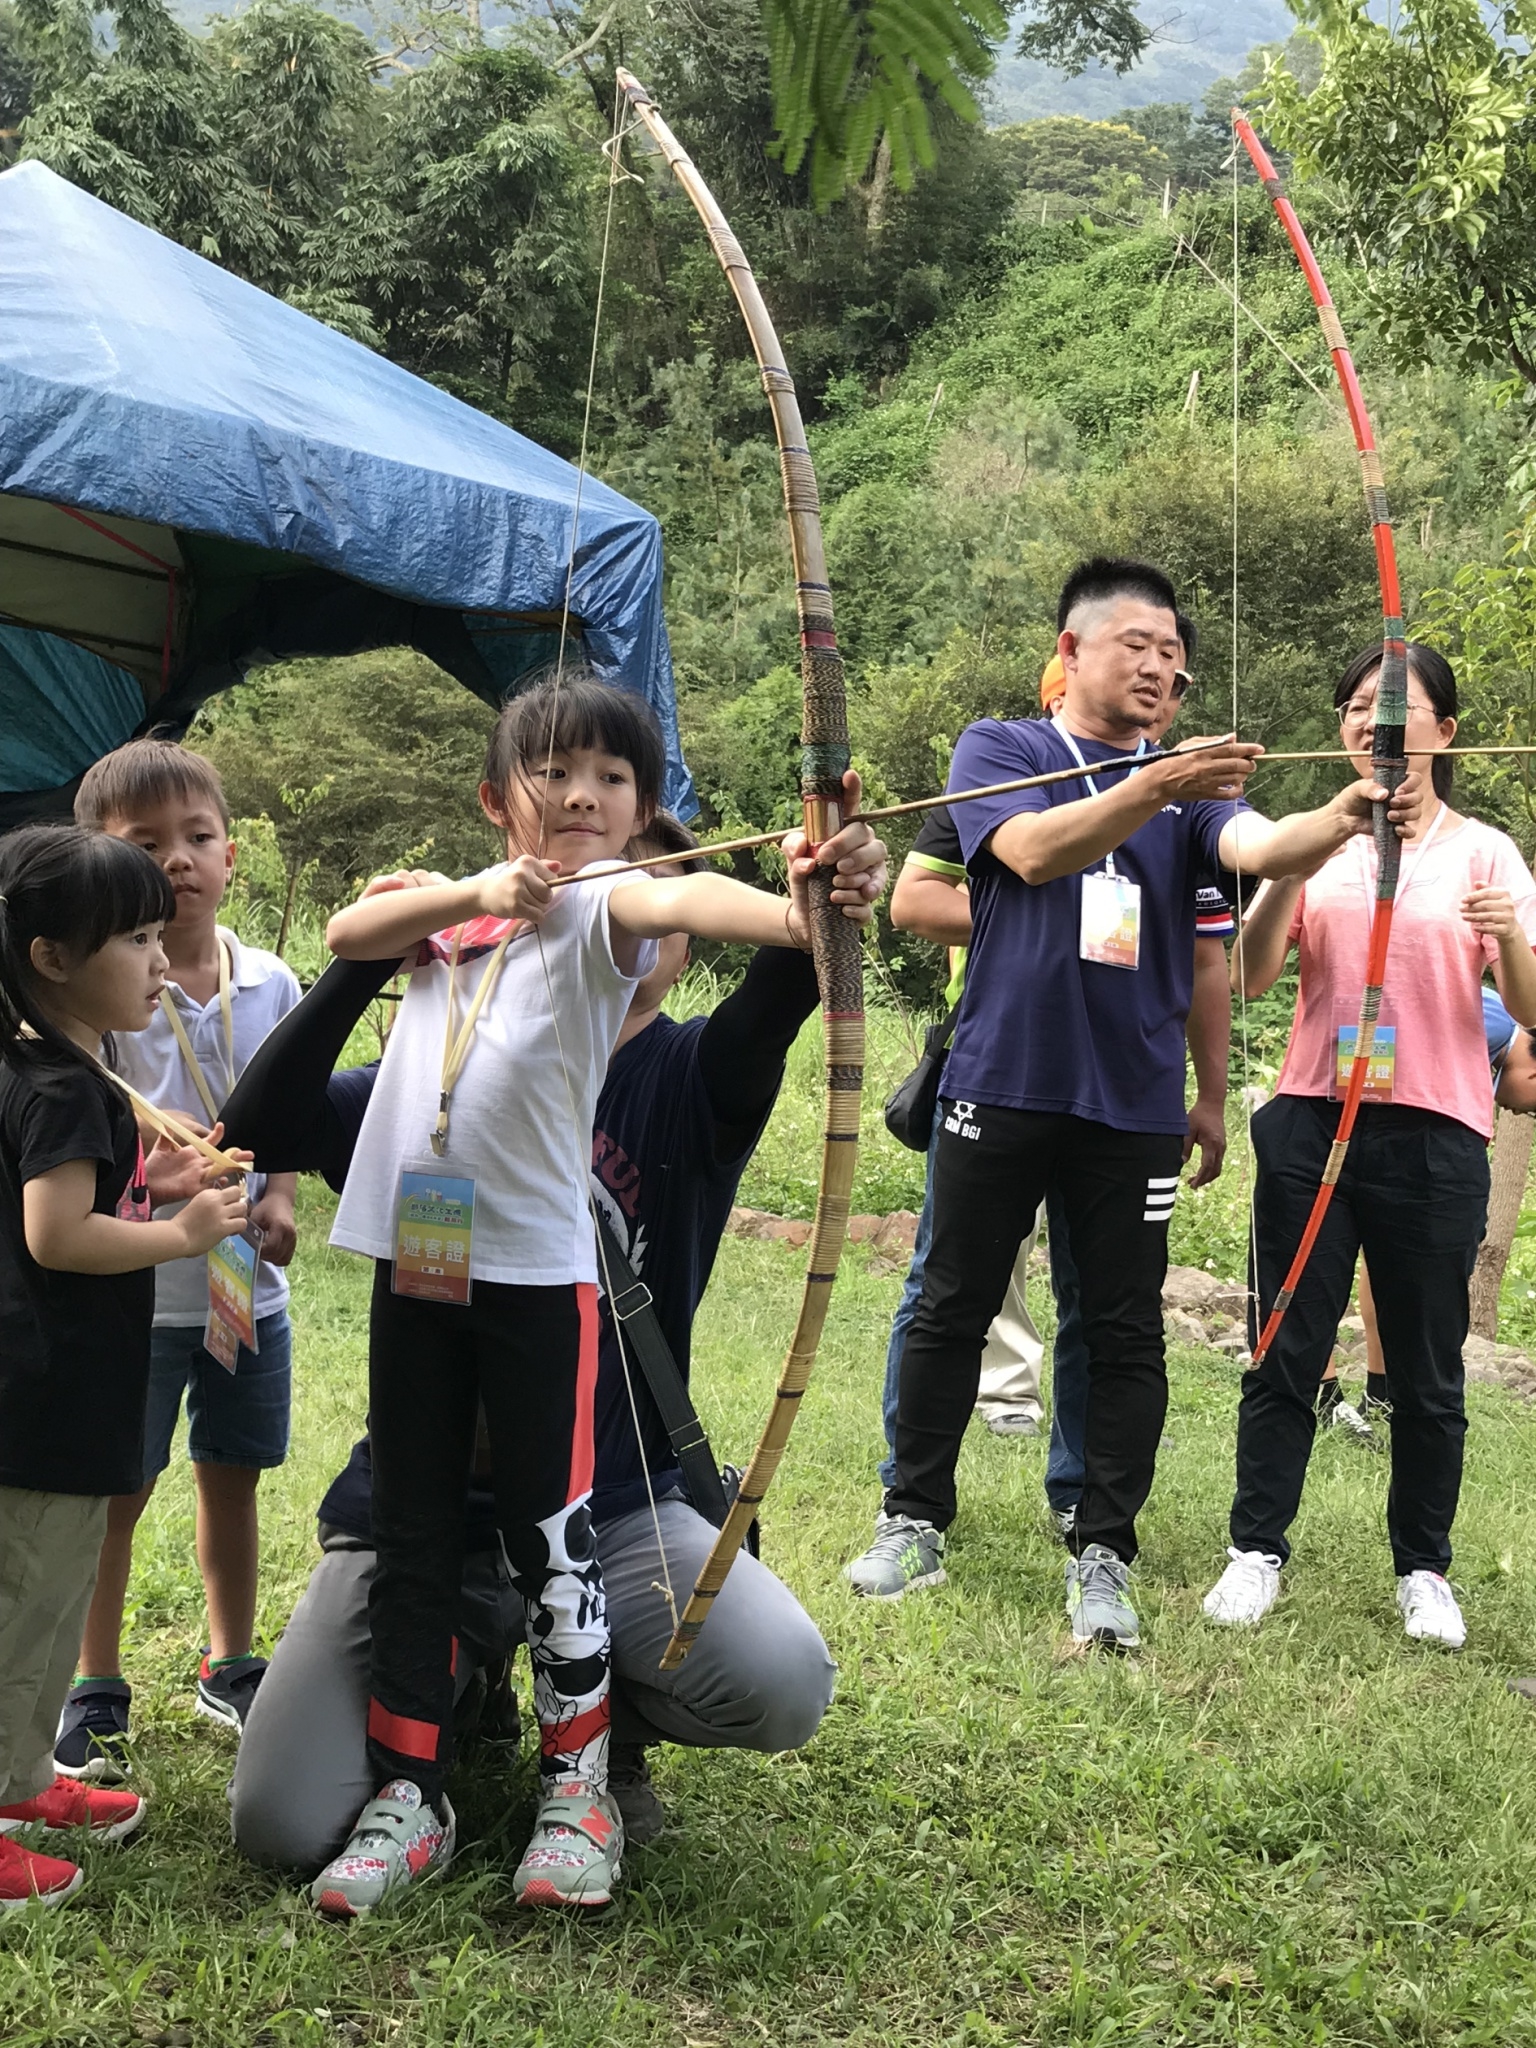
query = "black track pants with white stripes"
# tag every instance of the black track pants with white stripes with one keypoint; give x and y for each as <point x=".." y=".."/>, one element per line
<point x="991" y="1169"/>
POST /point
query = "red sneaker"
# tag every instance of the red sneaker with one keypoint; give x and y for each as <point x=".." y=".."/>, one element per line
<point x="71" y="1803"/>
<point x="25" y="1876"/>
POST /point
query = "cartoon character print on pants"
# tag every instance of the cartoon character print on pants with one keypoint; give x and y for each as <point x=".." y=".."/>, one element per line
<point x="568" y="1641"/>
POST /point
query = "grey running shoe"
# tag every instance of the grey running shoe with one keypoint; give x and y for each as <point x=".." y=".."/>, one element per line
<point x="1013" y="1422"/>
<point x="631" y="1790"/>
<point x="1097" y="1606"/>
<point x="904" y="1555"/>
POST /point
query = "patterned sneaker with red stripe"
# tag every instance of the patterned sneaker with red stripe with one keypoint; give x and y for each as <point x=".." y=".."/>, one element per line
<point x="25" y="1876"/>
<point x="573" y="1858"/>
<point x="398" y="1840"/>
<point x="70" y="1803"/>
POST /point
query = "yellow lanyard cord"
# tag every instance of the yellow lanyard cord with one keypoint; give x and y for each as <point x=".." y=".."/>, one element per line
<point x="194" y="1068"/>
<point x="167" y="1126"/>
<point x="456" y="1045"/>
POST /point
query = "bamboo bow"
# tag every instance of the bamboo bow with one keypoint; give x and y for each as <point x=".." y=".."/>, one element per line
<point x="1388" y="760"/>
<point x="835" y="939"/>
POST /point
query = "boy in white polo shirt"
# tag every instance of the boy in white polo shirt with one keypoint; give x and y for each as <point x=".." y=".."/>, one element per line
<point x="220" y="1001"/>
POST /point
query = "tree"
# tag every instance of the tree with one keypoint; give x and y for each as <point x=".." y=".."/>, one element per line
<point x="1072" y="34"/>
<point x="1084" y="159"/>
<point x="1423" y="134"/>
<point x="16" y="79"/>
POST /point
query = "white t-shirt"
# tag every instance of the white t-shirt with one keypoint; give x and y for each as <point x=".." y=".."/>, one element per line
<point x="513" y="1127"/>
<point x="261" y="990"/>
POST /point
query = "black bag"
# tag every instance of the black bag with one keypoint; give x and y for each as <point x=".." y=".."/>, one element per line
<point x="909" y="1109"/>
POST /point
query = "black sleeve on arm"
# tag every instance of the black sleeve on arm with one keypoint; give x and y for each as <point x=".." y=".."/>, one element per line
<point x="743" y="1046"/>
<point x="278" y="1109"/>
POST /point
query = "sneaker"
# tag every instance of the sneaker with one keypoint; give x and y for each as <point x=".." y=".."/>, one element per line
<point x="93" y="1732"/>
<point x="1097" y="1606"/>
<point x="1014" y="1422"/>
<point x="1246" y="1590"/>
<point x="68" y="1804"/>
<point x="225" y="1692"/>
<point x="904" y="1555"/>
<point x="573" y="1857"/>
<point x="398" y="1840"/>
<point x="1065" y="1521"/>
<point x="1429" y="1610"/>
<point x="631" y="1790"/>
<point x="26" y="1877"/>
<point x="1352" y="1422"/>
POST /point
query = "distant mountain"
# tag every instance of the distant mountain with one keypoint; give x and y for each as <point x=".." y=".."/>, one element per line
<point x="1198" y="42"/>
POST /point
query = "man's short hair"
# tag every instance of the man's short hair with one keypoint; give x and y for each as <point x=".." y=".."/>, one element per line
<point x="1106" y="578"/>
<point x="666" y="834"/>
<point x="143" y="774"/>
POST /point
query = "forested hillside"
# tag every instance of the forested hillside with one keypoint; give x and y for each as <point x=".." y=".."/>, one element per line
<point x="1025" y="357"/>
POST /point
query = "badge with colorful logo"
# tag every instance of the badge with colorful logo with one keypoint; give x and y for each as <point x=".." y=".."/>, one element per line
<point x="232" y="1268"/>
<point x="434" y="1233"/>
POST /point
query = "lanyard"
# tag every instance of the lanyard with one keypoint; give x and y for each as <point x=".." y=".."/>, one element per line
<point x="194" y="1067"/>
<point x="456" y="1044"/>
<point x="166" y="1126"/>
<point x="1077" y="754"/>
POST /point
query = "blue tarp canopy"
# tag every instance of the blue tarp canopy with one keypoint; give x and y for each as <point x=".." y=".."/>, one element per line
<point x="196" y="478"/>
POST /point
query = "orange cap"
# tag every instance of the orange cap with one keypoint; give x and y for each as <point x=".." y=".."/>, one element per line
<point x="1053" y="681"/>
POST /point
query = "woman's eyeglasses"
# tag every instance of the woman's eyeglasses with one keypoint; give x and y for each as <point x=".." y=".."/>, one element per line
<point x="1365" y="714"/>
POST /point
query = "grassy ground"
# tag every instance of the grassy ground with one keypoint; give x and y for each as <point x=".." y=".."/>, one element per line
<point x="1312" y="1835"/>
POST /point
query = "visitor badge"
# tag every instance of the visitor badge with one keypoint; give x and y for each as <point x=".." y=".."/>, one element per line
<point x="1110" y="931"/>
<point x="1381" y="1073"/>
<point x="232" y="1268"/>
<point x="434" y="1233"/>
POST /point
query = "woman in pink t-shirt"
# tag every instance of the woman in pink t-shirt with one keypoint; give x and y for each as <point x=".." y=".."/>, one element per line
<point x="1414" y="1190"/>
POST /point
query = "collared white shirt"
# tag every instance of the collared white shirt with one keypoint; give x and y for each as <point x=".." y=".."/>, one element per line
<point x="262" y="989"/>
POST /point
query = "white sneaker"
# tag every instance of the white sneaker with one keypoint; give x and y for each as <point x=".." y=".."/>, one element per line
<point x="1346" y="1420"/>
<point x="1246" y="1590"/>
<point x="1429" y="1610"/>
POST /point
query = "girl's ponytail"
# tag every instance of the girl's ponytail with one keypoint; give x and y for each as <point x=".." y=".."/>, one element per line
<point x="79" y="889"/>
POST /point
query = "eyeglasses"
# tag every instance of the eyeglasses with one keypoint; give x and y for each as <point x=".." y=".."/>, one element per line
<point x="1365" y="713"/>
<point x="1182" y="682"/>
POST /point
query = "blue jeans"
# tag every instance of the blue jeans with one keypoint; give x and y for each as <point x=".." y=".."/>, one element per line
<point x="1069" y="1355"/>
<point x="233" y="1418"/>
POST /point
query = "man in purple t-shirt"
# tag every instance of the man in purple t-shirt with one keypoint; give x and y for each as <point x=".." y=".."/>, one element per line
<point x="1067" y="1067"/>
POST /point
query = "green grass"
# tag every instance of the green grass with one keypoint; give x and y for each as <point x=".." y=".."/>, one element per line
<point x="1314" y="1835"/>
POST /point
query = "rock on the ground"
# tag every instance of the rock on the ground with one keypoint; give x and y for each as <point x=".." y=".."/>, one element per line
<point x="1505" y="1365"/>
<point x="1187" y="1287"/>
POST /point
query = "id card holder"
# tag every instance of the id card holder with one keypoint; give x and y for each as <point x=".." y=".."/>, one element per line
<point x="233" y="1265"/>
<point x="1110" y="928"/>
<point x="1381" y="1074"/>
<point x="434" y="1234"/>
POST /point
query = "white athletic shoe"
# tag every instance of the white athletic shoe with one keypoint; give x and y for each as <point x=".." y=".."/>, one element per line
<point x="1429" y="1610"/>
<point x="1345" y="1420"/>
<point x="1246" y="1590"/>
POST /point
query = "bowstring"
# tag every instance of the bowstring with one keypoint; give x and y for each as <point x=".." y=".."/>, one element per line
<point x="1239" y="948"/>
<point x="617" y="175"/>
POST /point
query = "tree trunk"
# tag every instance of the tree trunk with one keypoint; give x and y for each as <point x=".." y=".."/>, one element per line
<point x="1511" y="1164"/>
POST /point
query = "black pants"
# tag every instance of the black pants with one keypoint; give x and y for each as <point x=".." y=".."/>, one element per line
<point x="530" y="1355"/>
<point x="1414" y="1197"/>
<point x="991" y="1168"/>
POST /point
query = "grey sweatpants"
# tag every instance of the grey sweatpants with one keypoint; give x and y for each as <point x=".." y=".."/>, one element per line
<point x="49" y="1545"/>
<point x="760" y="1676"/>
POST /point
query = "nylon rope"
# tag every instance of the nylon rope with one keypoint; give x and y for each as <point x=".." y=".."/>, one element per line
<point x="583" y="1154"/>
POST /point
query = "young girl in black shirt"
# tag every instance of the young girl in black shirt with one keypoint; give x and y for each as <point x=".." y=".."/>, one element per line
<point x="80" y="957"/>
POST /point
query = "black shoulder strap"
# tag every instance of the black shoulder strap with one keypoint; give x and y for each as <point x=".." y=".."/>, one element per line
<point x="631" y="1305"/>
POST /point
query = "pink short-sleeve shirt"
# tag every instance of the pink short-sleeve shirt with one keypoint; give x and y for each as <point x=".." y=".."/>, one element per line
<point x="1435" y="965"/>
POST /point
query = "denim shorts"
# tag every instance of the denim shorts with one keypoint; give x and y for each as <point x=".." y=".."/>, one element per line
<point x="233" y="1418"/>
